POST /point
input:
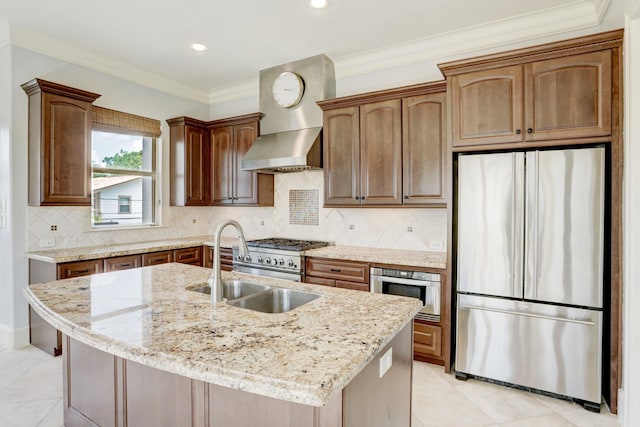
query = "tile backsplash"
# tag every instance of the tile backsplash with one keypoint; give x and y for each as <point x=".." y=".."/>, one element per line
<point x="294" y="215"/>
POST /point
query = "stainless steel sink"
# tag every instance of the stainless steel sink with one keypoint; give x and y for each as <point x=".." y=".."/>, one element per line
<point x="275" y="300"/>
<point x="234" y="289"/>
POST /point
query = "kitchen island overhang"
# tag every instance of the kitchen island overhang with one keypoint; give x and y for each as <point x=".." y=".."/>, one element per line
<point x="148" y="316"/>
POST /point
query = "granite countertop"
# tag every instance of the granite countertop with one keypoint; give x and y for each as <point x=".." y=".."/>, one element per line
<point x="145" y="315"/>
<point x="382" y="256"/>
<point x="105" y="251"/>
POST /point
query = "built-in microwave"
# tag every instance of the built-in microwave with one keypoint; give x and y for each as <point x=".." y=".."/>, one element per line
<point x="416" y="284"/>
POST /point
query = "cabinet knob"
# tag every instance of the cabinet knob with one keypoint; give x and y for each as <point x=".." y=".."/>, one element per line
<point x="356" y="197"/>
<point x="518" y="131"/>
<point x="529" y="130"/>
<point x="406" y="197"/>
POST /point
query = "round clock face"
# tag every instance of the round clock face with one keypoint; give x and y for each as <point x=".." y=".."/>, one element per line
<point x="287" y="89"/>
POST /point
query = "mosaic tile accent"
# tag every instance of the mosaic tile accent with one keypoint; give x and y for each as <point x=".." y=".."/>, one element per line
<point x="303" y="207"/>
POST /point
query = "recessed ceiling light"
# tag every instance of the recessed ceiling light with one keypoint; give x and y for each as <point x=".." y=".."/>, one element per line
<point x="199" y="47"/>
<point x="319" y="4"/>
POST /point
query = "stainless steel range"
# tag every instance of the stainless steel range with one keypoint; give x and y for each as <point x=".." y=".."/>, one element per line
<point x="280" y="258"/>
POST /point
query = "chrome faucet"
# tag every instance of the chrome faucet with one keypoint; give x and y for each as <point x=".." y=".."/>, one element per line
<point x="215" y="281"/>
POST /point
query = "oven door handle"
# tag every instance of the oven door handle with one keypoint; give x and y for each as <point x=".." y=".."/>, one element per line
<point x="412" y="282"/>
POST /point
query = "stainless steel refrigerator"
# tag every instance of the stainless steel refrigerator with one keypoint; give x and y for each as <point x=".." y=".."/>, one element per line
<point x="530" y="270"/>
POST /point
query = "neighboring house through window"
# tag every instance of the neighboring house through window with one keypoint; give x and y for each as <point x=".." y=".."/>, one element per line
<point x="124" y="169"/>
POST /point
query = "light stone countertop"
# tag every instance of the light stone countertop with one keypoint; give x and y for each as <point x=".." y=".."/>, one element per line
<point x="382" y="256"/>
<point x="145" y="315"/>
<point x="106" y="251"/>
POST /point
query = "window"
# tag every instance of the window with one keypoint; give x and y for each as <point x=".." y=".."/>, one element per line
<point x="123" y="169"/>
<point x="124" y="204"/>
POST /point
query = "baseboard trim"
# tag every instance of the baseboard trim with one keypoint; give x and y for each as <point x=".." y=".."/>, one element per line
<point x="12" y="339"/>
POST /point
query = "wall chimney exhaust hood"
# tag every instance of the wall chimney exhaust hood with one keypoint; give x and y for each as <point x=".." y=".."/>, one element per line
<point x="291" y="128"/>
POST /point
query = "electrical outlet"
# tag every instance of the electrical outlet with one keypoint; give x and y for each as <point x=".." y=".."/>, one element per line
<point x="436" y="245"/>
<point x="386" y="360"/>
<point x="47" y="243"/>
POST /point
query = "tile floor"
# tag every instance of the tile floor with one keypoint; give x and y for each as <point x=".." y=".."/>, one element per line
<point x="31" y="395"/>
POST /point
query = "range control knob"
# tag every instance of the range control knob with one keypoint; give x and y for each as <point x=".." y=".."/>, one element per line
<point x="247" y="258"/>
<point x="290" y="263"/>
<point x="281" y="261"/>
<point x="260" y="259"/>
<point x="267" y="260"/>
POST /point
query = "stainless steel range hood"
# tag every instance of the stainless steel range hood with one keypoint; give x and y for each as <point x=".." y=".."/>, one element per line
<point x="291" y="138"/>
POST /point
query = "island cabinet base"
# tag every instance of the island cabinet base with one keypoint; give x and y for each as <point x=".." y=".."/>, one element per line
<point x="104" y="390"/>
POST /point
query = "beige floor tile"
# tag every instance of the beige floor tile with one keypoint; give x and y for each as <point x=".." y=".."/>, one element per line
<point x="501" y="403"/>
<point x="25" y="414"/>
<point x="448" y="409"/>
<point x="42" y="381"/>
<point x="584" y="418"/>
<point x="13" y="364"/>
<point x="54" y="418"/>
<point x="415" y="422"/>
<point x="551" y="420"/>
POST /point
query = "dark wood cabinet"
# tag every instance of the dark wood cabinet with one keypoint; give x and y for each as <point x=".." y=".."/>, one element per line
<point x="124" y="262"/>
<point x="424" y="149"/>
<point x="563" y="98"/>
<point x="79" y="268"/>
<point x="338" y="273"/>
<point x="188" y="162"/>
<point x="427" y="342"/>
<point x="226" y="258"/>
<point x="60" y="123"/>
<point x="191" y="256"/>
<point x="229" y="185"/>
<point x="154" y="258"/>
<point x="386" y="148"/>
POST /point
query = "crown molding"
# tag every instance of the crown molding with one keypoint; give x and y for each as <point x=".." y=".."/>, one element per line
<point x="32" y="40"/>
<point x="577" y="15"/>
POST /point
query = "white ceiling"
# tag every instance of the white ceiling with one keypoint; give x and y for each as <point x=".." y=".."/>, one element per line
<point x="148" y="41"/>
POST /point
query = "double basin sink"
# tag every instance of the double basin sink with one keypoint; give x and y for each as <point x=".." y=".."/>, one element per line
<point x="263" y="298"/>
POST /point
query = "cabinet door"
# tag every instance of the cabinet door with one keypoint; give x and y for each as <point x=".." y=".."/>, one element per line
<point x="66" y="151"/>
<point x="381" y="153"/>
<point x="79" y="268"/>
<point x="155" y="258"/>
<point x="191" y="256"/>
<point x="569" y="97"/>
<point x="487" y="106"/>
<point x="196" y="174"/>
<point x="222" y="165"/>
<point x="338" y="269"/>
<point x="424" y="144"/>
<point x="341" y="156"/>
<point x="320" y="281"/>
<point x="427" y="340"/>
<point x="122" y="262"/>
<point x="246" y="183"/>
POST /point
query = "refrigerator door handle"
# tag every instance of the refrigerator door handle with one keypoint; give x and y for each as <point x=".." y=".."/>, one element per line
<point x="521" y="313"/>
<point x="517" y="223"/>
<point x="532" y="222"/>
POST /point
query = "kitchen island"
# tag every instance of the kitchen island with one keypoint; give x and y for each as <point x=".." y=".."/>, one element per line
<point x="144" y="349"/>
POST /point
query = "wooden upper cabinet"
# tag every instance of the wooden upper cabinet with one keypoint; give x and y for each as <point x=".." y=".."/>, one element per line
<point x="487" y="106"/>
<point x="60" y="120"/>
<point x="559" y="93"/>
<point x="569" y="97"/>
<point x="386" y="148"/>
<point x="381" y="153"/>
<point x="424" y="145"/>
<point x="246" y="191"/>
<point x="188" y="164"/>
<point x="341" y="139"/>
<point x="230" y="140"/>
<point x="222" y="165"/>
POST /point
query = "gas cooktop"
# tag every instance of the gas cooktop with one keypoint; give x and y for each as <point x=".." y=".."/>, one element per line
<point x="286" y="244"/>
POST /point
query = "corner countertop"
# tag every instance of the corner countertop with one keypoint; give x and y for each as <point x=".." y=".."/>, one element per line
<point x="382" y="256"/>
<point x="146" y="315"/>
<point x="404" y="257"/>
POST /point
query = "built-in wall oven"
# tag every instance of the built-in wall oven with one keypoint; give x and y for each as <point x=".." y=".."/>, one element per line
<point x="416" y="284"/>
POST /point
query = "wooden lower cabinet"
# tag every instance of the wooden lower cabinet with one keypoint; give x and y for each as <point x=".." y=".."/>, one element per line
<point x="427" y="342"/>
<point x="122" y="262"/>
<point x="226" y="258"/>
<point x="338" y="273"/>
<point x="68" y="270"/>
<point x="191" y="256"/>
<point x="100" y="389"/>
<point x="155" y="258"/>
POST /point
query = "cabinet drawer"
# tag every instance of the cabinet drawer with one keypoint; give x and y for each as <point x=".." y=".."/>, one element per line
<point x="427" y="339"/>
<point x="338" y="269"/>
<point x="79" y="268"/>
<point x="188" y="255"/>
<point x="352" y="285"/>
<point x="226" y="258"/>
<point x="320" y="281"/>
<point x="122" y="262"/>
<point x="155" y="258"/>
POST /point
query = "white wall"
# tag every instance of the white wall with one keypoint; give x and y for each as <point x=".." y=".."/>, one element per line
<point x="630" y="396"/>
